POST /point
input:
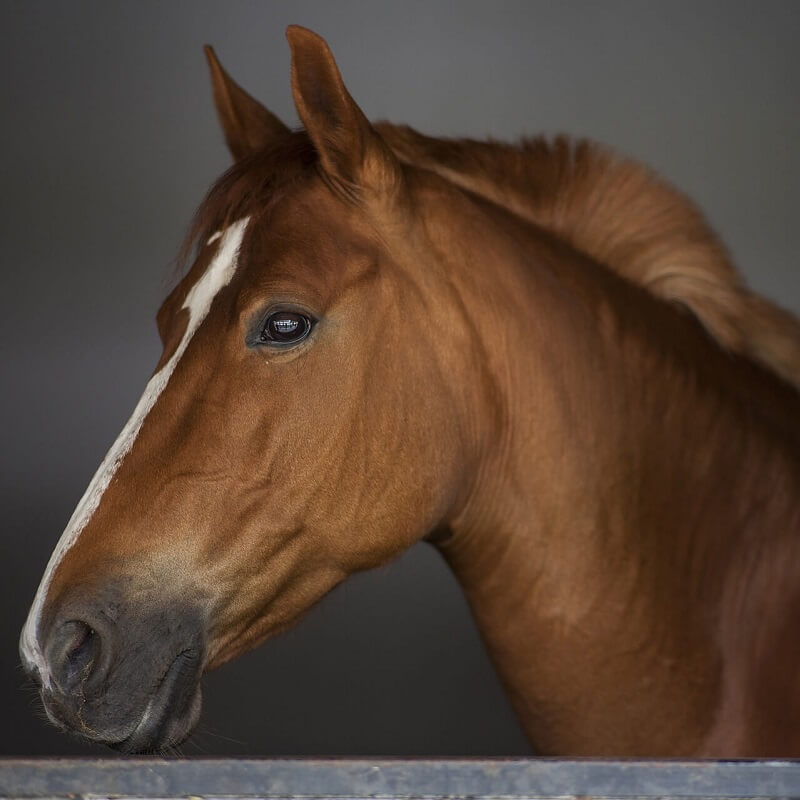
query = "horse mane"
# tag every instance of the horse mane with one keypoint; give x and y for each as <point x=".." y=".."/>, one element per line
<point x="623" y="216"/>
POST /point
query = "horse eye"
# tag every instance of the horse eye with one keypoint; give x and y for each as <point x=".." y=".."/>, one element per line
<point x="285" y="327"/>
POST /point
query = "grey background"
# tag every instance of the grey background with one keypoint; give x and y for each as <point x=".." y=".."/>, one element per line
<point x="108" y="141"/>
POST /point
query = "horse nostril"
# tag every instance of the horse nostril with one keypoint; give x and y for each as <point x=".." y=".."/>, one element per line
<point x="81" y="648"/>
<point x="74" y="653"/>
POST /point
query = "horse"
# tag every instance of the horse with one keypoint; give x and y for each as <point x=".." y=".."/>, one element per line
<point x="537" y="357"/>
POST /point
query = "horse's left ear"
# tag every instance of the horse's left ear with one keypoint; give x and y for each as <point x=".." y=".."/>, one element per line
<point x="351" y="151"/>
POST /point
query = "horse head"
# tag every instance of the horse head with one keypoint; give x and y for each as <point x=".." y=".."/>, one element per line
<point x="306" y="420"/>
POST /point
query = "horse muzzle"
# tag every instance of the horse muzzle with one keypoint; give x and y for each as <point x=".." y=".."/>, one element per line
<point x="122" y="672"/>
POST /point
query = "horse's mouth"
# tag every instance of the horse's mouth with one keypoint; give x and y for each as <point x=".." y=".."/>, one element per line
<point x="172" y="711"/>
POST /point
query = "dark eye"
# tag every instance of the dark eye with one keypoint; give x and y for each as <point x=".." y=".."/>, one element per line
<point x="285" y="327"/>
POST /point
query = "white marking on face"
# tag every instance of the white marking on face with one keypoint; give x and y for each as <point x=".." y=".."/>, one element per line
<point x="198" y="302"/>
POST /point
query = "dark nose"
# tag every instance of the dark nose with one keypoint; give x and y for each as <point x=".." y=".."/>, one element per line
<point x="79" y="654"/>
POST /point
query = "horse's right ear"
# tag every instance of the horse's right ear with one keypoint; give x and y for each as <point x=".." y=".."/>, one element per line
<point x="247" y="125"/>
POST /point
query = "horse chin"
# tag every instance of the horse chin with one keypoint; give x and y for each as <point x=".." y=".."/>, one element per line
<point x="172" y="712"/>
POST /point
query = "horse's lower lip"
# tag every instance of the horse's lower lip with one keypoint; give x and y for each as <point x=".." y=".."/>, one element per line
<point x="172" y="697"/>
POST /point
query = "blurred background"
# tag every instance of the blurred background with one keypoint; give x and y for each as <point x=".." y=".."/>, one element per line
<point x="108" y="141"/>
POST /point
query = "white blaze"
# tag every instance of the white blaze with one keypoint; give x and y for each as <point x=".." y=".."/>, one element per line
<point x="198" y="302"/>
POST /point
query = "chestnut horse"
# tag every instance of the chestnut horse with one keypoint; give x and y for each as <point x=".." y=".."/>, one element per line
<point x="536" y="357"/>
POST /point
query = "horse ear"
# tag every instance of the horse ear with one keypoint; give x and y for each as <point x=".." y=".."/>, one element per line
<point x="247" y="125"/>
<point x="351" y="151"/>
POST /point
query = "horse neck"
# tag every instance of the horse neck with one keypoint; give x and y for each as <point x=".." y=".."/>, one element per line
<point x="628" y="472"/>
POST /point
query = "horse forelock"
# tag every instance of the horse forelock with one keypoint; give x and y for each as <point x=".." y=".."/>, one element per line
<point x="250" y="188"/>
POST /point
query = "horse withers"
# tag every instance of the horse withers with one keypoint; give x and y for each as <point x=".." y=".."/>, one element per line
<point x="537" y="357"/>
